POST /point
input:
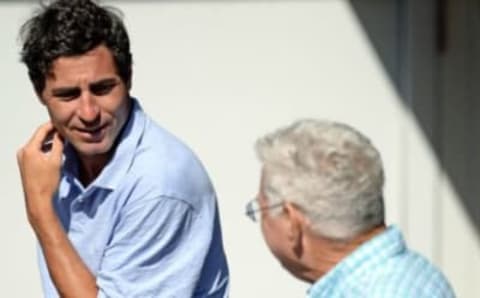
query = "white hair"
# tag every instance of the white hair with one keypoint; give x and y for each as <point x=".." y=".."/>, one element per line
<point x="330" y="171"/>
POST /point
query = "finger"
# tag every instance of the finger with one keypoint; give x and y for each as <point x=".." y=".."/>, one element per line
<point x="40" y="135"/>
<point x="20" y="156"/>
<point x="57" y="144"/>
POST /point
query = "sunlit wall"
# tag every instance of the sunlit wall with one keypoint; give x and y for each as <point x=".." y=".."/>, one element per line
<point x="219" y="74"/>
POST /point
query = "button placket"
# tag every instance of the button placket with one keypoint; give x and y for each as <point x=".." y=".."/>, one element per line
<point x="77" y="214"/>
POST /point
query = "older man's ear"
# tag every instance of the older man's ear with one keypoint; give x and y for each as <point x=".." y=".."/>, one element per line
<point x="297" y="223"/>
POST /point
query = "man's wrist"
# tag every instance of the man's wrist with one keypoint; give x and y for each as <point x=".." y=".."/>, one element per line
<point x="41" y="216"/>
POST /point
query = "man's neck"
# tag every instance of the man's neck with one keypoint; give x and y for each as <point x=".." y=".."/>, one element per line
<point x="91" y="167"/>
<point x="324" y="254"/>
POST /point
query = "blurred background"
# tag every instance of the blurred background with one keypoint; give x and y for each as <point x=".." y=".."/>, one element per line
<point x="219" y="74"/>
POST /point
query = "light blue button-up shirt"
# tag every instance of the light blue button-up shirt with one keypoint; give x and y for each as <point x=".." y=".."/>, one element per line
<point x="148" y="225"/>
<point x="383" y="268"/>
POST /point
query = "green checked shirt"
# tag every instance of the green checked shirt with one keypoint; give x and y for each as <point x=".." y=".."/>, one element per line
<point x="383" y="267"/>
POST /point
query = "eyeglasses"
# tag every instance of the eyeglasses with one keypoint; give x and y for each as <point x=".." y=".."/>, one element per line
<point x="253" y="207"/>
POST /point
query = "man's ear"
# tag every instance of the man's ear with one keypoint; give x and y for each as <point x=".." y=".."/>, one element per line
<point x="297" y="222"/>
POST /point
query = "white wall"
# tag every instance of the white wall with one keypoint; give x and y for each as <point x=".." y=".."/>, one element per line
<point x="219" y="74"/>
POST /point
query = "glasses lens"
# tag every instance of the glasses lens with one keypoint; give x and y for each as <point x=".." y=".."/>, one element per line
<point x="251" y="209"/>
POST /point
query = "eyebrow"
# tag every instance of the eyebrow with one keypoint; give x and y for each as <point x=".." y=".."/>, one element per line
<point x="109" y="81"/>
<point x="67" y="91"/>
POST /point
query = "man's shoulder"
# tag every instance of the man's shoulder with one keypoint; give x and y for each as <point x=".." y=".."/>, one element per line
<point x="412" y="277"/>
<point x="165" y="154"/>
<point x="409" y="275"/>
<point x="163" y="166"/>
<point x="153" y="139"/>
<point x="386" y="267"/>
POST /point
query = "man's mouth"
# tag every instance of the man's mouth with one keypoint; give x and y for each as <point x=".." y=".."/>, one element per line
<point x="92" y="134"/>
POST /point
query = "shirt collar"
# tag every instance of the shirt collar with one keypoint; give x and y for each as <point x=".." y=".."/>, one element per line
<point x="368" y="255"/>
<point x="124" y="153"/>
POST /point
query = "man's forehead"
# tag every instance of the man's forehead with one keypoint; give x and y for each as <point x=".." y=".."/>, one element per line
<point x="93" y="65"/>
<point x="100" y="53"/>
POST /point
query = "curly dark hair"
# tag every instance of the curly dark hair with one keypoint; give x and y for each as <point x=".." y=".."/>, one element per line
<point x="70" y="28"/>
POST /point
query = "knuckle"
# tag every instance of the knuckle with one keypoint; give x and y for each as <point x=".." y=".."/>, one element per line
<point x="20" y="154"/>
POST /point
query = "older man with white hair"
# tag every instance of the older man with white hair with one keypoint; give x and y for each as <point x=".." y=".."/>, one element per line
<point x="322" y="215"/>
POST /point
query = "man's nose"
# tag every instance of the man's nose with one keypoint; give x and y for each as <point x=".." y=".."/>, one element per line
<point x="88" y="110"/>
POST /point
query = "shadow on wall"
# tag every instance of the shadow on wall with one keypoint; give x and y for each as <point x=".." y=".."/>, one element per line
<point x="431" y="51"/>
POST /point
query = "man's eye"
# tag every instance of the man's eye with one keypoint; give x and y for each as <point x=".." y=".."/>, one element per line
<point x="102" y="89"/>
<point x="67" y="95"/>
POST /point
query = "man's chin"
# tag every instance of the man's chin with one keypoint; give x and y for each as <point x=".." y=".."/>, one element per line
<point x="91" y="149"/>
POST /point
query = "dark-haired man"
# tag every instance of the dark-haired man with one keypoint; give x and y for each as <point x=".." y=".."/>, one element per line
<point x="120" y="207"/>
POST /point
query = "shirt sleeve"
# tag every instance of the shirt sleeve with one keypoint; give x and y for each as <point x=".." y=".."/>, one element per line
<point x="157" y="250"/>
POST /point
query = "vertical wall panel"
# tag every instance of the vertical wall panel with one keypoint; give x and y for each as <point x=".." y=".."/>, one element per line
<point x="459" y="93"/>
<point x="418" y="52"/>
